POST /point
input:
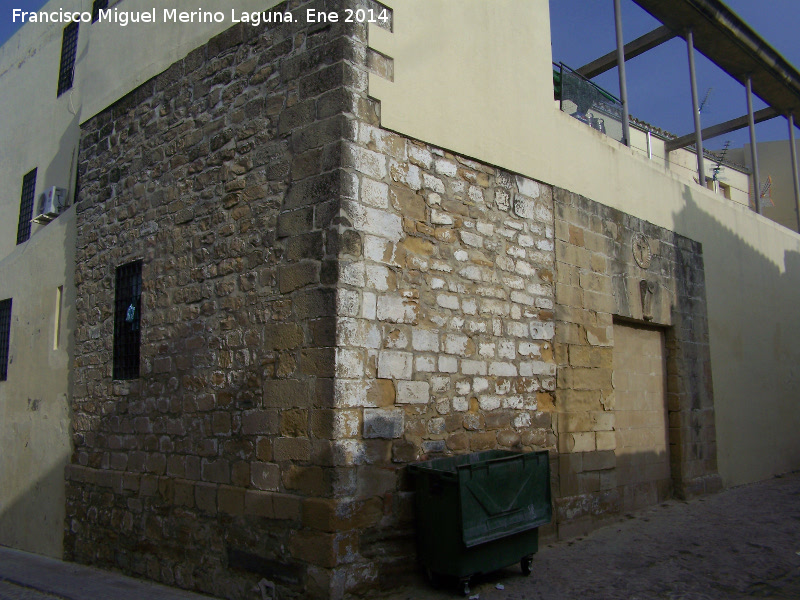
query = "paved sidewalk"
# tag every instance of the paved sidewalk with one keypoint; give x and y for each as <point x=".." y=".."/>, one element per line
<point x="25" y="576"/>
<point x="740" y="543"/>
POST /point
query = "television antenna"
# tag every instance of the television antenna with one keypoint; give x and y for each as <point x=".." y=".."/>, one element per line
<point x="720" y="159"/>
<point x="765" y="194"/>
<point x="704" y="104"/>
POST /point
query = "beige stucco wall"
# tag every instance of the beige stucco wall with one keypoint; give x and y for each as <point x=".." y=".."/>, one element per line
<point x="775" y="161"/>
<point x="37" y="130"/>
<point x="475" y="77"/>
<point x="35" y="441"/>
<point x="683" y="163"/>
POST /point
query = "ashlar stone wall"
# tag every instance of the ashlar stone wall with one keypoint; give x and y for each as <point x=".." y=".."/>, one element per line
<point x="325" y="301"/>
<point x="445" y="319"/>
<point x="614" y="268"/>
<point x="223" y="175"/>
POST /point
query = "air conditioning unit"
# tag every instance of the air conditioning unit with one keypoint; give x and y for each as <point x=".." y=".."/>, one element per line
<point x="51" y="204"/>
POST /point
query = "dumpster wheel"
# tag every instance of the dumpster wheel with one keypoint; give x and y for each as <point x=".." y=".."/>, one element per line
<point x="525" y="564"/>
<point x="464" y="584"/>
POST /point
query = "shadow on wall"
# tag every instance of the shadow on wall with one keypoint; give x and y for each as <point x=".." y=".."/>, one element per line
<point x="36" y="423"/>
<point x="33" y="522"/>
<point x="755" y="365"/>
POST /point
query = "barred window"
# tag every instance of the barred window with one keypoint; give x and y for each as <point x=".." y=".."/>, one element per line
<point x="69" y="48"/>
<point x="5" y="336"/>
<point x="26" y="207"/>
<point x="97" y="6"/>
<point x="77" y="186"/>
<point x="127" y="320"/>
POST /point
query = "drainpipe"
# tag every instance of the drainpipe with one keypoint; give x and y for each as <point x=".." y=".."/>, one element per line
<point x="753" y="150"/>
<point x="623" y="84"/>
<point x="794" y="168"/>
<point x="698" y="134"/>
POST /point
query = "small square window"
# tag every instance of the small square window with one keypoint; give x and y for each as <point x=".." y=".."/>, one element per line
<point x="97" y="6"/>
<point x="5" y="336"/>
<point x="127" y="320"/>
<point x="26" y="207"/>
<point x="69" y="48"/>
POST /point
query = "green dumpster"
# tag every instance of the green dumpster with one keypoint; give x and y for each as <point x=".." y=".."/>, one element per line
<point x="479" y="512"/>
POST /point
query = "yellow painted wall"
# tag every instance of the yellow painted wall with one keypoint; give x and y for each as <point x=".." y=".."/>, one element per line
<point x="35" y="441"/>
<point x="475" y="77"/>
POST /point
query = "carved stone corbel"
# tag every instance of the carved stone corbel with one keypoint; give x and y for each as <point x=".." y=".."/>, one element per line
<point x="648" y="290"/>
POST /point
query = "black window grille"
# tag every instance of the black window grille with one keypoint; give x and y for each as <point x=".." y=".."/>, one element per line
<point x="97" y="6"/>
<point x="127" y="320"/>
<point x="77" y="185"/>
<point x="5" y="336"/>
<point x="69" y="48"/>
<point x="26" y="207"/>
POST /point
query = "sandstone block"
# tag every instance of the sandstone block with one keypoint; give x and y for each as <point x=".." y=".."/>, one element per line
<point x="413" y="392"/>
<point x="349" y="363"/>
<point x="374" y="193"/>
<point x="258" y="504"/>
<point x="397" y="309"/>
<point x="383" y="423"/>
<point x="393" y="364"/>
<point x="283" y="336"/>
<point x="287" y="393"/>
<point x="291" y="448"/>
<point x="260" y="422"/>
<point x="205" y="496"/>
<point x="483" y="441"/>
<point x="456" y="344"/>
<point x="374" y="221"/>
<point x="217" y="471"/>
<point x="230" y="500"/>
<point x="473" y="367"/>
<point x="425" y="340"/>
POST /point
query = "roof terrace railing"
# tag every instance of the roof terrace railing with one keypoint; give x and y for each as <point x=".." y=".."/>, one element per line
<point x="588" y="102"/>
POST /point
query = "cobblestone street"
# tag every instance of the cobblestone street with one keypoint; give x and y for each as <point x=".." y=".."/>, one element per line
<point x="740" y="543"/>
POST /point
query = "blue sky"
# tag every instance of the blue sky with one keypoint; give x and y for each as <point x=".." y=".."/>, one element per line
<point x="658" y="81"/>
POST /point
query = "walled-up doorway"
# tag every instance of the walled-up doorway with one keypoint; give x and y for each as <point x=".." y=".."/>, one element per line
<point x="641" y="425"/>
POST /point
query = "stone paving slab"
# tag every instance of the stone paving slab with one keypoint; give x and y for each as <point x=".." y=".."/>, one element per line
<point x="25" y="576"/>
<point x="741" y="543"/>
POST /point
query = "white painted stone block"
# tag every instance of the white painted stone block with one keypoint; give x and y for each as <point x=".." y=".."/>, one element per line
<point x="413" y="392"/>
<point x="394" y="364"/>
<point x="425" y="340"/>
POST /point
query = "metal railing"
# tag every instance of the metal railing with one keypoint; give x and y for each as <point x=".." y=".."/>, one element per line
<point x="587" y="102"/>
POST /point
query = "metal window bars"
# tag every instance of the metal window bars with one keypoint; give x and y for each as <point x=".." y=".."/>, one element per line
<point x="69" y="48"/>
<point x="26" y="207"/>
<point x="127" y="320"/>
<point x="97" y="6"/>
<point x="5" y="336"/>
